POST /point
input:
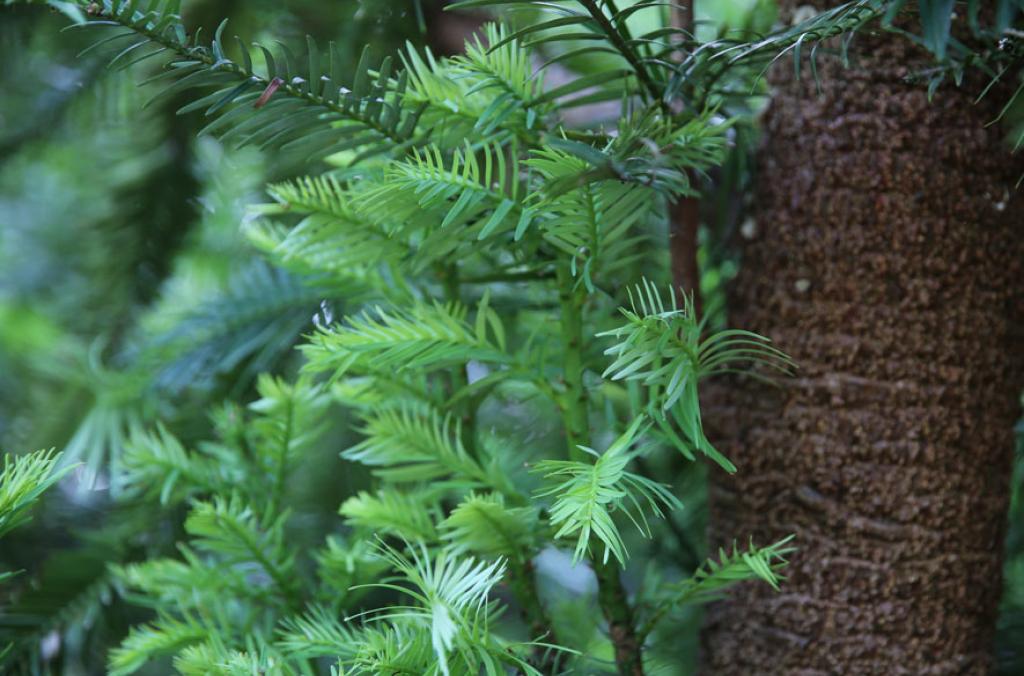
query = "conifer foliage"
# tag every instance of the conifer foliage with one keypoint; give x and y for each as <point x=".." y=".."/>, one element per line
<point x="486" y="249"/>
<point x="23" y="480"/>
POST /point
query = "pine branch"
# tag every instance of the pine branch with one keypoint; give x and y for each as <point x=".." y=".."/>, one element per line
<point x="613" y="30"/>
<point x="156" y="465"/>
<point x="318" y="633"/>
<point x="425" y="337"/>
<point x="290" y="417"/>
<point x="391" y="512"/>
<point x="303" y="107"/>
<point x="23" y="480"/>
<point x="713" y="577"/>
<point x="334" y="241"/>
<point x="164" y="636"/>
<point x="449" y="595"/>
<point x="591" y="492"/>
<point x="230" y="529"/>
<point x="500" y="194"/>
<point x="621" y="42"/>
<point x="663" y="348"/>
<point x="413" y="444"/>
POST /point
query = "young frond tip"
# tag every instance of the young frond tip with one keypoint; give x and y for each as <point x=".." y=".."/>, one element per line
<point x="663" y="347"/>
<point x="588" y="494"/>
<point x="23" y="480"/>
<point x="449" y="596"/>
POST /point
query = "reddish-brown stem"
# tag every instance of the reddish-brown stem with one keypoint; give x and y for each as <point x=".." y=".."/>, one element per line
<point x="683" y="242"/>
<point x="684" y="213"/>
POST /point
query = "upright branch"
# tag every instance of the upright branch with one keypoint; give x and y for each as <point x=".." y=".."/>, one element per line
<point x="573" y="401"/>
<point x="574" y="406"/>
<point x="459" y="378"/>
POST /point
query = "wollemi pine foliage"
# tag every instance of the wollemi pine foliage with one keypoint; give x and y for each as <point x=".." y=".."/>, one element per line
<point x="486" y="249"/>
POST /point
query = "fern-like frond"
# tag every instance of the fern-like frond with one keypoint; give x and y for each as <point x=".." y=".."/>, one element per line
<point x="753" y="563"/>
<point x="366" y="393"/>
<point x="594" y="222"/>
<point x="416" y="444"/>
<point x="391" y="512"/>
<point x="697" y="79"/>
<point x="229" y="530"/>
<point x="214" y="657"/>
<point x="250" y="324"/>
<point x="586" y="495"/>
<point x="301" y="108"/>
<point x="449" y="594"/>
<point x="318" y="633"/>
<point x="333" y="239"/>
<point x="449" y="111"/>
<point x="343" y="565"/>
<point x="475" y="194"/>
<point x="425" y="337"/>
<point x="596" y="20"/>
<point x="290" y="418"/>
<point x="650" y="150"/>
<point x="188" y="584"/>
<point x="155" y="465"/>
<point x="23" y="480"/>
<point x="491" y="90"/>
<point x="398" y="648"/>
<point x="663" y="348"/>
<point x="163" y="637"/>
<point x="483" y="524"/>
<point x="668" y="63"/>
<point x="322" y="194"/>
<point x="501" y="68"/>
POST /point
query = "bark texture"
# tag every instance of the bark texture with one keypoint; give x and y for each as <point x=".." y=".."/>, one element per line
<point x="887" y="262"/>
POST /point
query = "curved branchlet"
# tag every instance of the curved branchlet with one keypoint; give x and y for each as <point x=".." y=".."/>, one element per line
<point x="296" y="106"/>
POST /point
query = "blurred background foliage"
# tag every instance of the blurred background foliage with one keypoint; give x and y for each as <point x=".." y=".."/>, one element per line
<point x="129" y="294"/>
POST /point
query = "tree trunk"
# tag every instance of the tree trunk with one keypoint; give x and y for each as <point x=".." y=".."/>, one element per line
<point x="887" y="262"/>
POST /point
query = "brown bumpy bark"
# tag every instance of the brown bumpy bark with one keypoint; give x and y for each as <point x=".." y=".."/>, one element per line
<point x="887" y="262"/>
